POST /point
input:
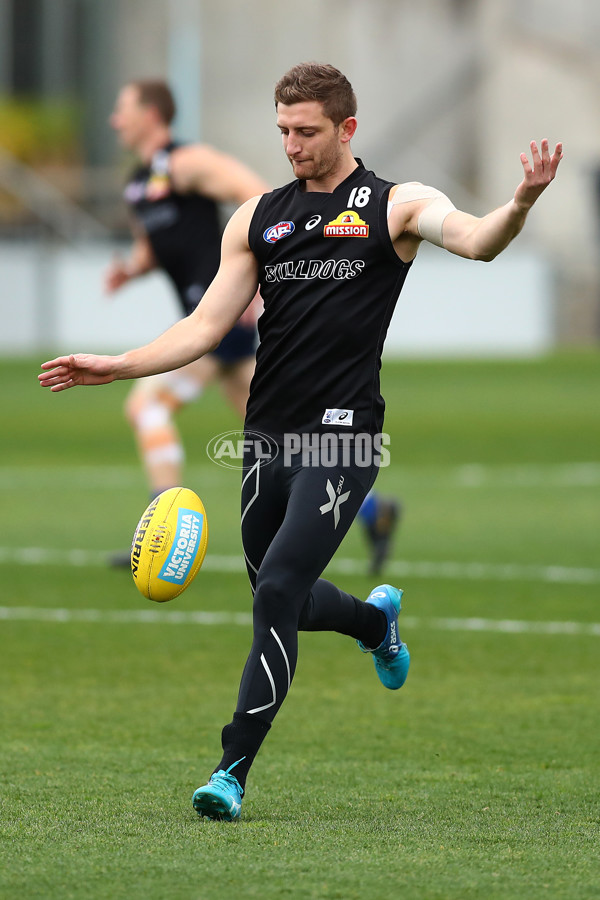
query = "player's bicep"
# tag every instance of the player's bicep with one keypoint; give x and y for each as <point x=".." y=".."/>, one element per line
<point x="419" y="210"/>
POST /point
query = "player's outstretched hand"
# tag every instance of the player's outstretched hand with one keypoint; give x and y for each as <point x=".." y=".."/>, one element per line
<point x="537" y="174"/>
<point x="80" y="368"/>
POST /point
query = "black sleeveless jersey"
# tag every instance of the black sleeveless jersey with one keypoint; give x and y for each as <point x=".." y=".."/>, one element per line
<point x="329" y="279"/>
<point x="183" y="229"/>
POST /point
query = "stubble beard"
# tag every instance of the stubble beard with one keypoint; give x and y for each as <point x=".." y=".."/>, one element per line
<point x="315" y="169"/>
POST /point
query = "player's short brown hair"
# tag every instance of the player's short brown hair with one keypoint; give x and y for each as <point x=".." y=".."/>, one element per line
<point x="320" y="82"/>
<point x="152" y="92"/>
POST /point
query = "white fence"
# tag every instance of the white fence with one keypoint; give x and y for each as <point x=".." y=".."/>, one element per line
<point x="51" y="298"/>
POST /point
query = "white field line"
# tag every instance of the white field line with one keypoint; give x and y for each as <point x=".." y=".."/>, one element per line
<point x="173" y="617"/>
<point x="468" y="475"/>
<point x="461" y="571"/>
<point x="584" y="474"/>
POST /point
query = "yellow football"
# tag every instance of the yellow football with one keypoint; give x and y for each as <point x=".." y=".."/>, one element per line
<point x="169" y="544"/>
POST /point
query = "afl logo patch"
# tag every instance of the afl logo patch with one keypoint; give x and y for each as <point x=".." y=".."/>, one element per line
<point x="275" y="233"/>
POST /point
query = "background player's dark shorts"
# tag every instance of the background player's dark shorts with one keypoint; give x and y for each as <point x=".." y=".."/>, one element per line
<point x="238" y="344"/>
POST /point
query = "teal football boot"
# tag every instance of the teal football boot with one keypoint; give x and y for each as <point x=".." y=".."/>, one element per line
<point x="221" y="798"/>
<point x="391" y="658"/>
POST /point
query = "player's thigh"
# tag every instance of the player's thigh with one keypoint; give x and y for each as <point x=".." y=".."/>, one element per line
<point x="235" y="381"/>
<point x="263" y="508"/>
<point x="322" y="505"/>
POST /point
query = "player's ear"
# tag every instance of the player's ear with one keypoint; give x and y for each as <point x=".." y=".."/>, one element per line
<point x="347" y="129"/>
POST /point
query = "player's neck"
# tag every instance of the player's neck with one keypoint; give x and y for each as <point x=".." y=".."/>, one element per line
<point x="328" y="183"/>
<point x="153" y="142"/>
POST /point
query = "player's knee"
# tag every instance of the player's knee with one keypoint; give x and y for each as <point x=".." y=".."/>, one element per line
<point x="272" y="598"/>
<point x="147" y="413"/>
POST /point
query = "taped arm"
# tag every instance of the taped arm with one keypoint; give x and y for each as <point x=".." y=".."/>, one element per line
<point x="430" y="213"/>
<point x="430" y="216"/>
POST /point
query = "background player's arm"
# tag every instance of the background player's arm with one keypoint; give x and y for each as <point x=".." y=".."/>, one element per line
<point x="231" y="291"/>
<point x="141" y="260"/>
<point x="204" y="170"/>
<point x="472" y="237"/>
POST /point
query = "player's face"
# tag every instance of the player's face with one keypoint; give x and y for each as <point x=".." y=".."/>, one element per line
<point x="312" y="143"/>
<point x="129" y="118"/>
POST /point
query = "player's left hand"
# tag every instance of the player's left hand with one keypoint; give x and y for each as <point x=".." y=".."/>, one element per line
<point x="538" y="174"/>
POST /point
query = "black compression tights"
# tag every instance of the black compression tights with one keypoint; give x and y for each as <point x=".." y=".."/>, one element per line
<point x="293" y="520"/>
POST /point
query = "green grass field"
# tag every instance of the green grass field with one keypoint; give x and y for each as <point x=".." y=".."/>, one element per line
<point x="480" y="779"/>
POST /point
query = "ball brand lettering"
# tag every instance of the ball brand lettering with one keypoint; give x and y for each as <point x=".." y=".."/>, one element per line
<point x="185" y="547"/>
<point x="305" y="269"/>
<point x="140" y="533"/>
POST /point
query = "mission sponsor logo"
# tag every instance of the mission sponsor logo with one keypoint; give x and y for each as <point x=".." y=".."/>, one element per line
<point x="347" y="224"/>
<point x="275" y="233"/>
<point x="156" y="188"/>
<point x="306" y="269"/>
<point x="159" y="186"/>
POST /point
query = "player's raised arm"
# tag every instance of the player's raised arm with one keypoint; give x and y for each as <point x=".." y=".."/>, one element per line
<point x="225" y="300"/>
<point x="434" y="218"/>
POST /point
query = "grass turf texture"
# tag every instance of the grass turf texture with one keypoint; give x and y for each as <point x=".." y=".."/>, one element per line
<point x="478" y="780"/>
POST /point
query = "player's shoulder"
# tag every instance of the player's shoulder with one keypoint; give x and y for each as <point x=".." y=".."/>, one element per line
<point x="182" y="153"/>
<point x="243" y="215"/>
<point x="409" y="191"/>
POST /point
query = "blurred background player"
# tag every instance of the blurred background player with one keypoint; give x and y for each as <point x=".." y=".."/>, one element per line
<point x="173" y="198"/>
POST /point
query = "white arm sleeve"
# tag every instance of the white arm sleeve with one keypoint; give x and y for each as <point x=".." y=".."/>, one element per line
<point x="431" y="220"/>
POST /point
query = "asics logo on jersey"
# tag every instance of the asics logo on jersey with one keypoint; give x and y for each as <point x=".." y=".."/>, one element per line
<point x="347" y="224"/>
<point x="303" y="269"/>
<point x="338" y="417"/>
<point x="312" y="223"/>
<point x="336" y="498"/>
<point x="275" y="233"/>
